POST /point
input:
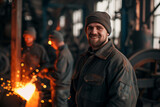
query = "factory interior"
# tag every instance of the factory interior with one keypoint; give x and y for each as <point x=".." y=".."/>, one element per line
<point x="135" y="33"/>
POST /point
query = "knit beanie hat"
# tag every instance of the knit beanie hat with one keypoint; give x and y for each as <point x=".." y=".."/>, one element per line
<point x="99" y="17"/>
<point x="55" y="35"/>
<point x="31" y="31"/>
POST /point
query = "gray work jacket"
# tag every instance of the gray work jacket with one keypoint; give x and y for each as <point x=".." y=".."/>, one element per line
<point x="104" y="78"/>
<point x="62" y="70"/>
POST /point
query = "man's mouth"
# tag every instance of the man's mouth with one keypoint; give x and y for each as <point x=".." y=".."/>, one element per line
<point x="93" y="36"/>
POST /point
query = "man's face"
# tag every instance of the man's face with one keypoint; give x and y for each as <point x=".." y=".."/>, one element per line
<point x="28" y="39"/>
<point x="97" y="35"/>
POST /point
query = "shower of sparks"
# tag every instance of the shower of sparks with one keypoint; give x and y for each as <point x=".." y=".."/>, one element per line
<point x="25" y="91"/>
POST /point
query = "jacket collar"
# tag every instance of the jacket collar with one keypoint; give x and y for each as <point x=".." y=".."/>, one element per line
<point x="62" y="47"/>
<point x="104" y="51"/>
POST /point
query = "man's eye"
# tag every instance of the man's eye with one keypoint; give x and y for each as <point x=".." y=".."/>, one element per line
<point x="90" y="28"/>
<point x="99" y="28"/>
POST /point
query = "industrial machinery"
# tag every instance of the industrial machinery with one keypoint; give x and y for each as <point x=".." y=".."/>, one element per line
<point x="147" y="67"/>
<point x="4" y="62"/>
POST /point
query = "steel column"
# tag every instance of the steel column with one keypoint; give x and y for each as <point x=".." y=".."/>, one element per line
<point x="16" y="41"/>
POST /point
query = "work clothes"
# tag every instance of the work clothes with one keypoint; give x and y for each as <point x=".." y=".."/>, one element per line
<point x="63" y="68"/>
<point x="61" y="72"/>
<point x="34" y="57"/>
<point x="103" y="78"/>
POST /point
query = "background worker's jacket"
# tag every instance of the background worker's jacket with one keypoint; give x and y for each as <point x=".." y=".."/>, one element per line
<point x="33" y="57"/>
<point x="62" y="70"/>
<point x="61" y="73"/>
<point x="104" y="78"/>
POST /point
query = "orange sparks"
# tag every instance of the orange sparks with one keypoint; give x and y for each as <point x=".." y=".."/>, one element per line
<point x="22" y="64"/>
<point x="42" y="101"/>
<point x="50" y="42"/>
<point x="44" y="86"/>
<point x="37" y="70"/>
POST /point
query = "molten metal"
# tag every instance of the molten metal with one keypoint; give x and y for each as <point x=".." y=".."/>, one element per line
<point x="27" y="91"/>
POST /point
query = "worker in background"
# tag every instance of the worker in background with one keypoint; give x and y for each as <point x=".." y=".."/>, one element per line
<point x="61" y="72"/>
<point x="148" y="35"/>
<point x="34" y="58"/>
<point x="103" y="76"/>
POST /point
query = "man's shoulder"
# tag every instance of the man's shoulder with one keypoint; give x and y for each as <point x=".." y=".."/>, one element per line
<point x="119" y="58"/>
<point x="36" y="45"/>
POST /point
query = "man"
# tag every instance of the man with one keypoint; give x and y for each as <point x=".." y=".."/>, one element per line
<point x="61" y="72"/>
<point x="103" y="76"/>
<point x="34" y="56"/>
<point x="34" y="60"/>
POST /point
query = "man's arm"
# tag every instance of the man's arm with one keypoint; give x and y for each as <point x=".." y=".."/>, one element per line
<point x="123" y="91"/>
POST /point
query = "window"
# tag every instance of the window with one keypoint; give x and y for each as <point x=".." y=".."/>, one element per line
<point x="156" y="32"/>
<point x="112" y="7"/>
<point x="62" y="21"/>
<point x="77" y="22"/>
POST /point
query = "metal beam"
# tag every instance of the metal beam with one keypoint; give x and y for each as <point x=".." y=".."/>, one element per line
<point x="72" y="6"/>
<point x="124" y="23"/>
<point x="152" y="12"/>
<point x="16" y="41"/>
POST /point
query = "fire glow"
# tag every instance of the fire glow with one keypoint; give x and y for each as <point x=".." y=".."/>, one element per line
<point x="27" y="91"/>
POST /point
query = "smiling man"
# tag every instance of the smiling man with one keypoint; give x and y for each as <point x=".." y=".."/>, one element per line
<point x="96" y="35"/>
<point x="103" y="76"/>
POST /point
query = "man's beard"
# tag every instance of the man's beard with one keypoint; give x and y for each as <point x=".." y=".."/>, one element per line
<point x="94" y="44"/>
<point x="97" y="45"/>
<point x="29" y="43"/>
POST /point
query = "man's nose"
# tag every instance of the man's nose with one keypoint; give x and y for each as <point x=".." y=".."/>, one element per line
<point x="94" y="31"/>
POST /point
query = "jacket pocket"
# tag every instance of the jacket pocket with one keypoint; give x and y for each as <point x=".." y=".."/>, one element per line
<point x="124" y="90"/>
<point x="94" y="88"/>
<point x="94" y="79"/>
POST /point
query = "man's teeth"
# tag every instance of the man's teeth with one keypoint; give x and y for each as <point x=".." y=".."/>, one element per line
<point x="93" y="37"/>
